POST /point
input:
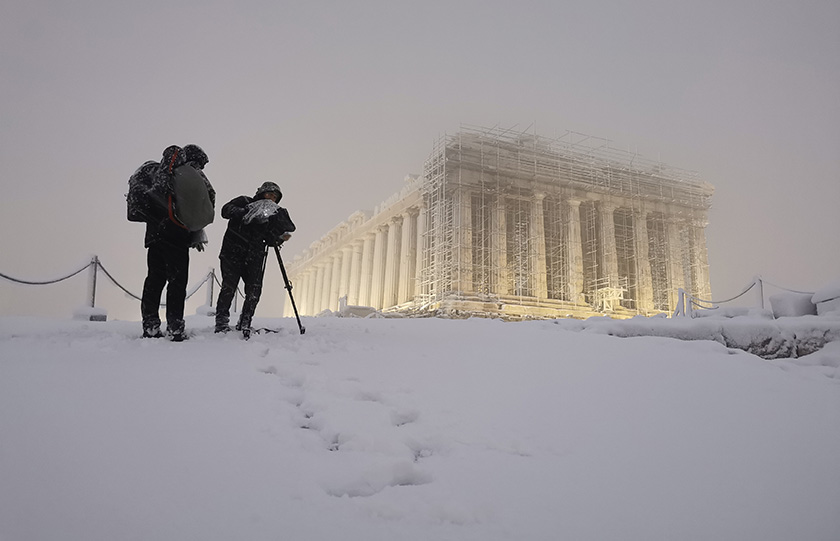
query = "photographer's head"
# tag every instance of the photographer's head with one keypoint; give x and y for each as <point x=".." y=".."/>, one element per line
<point x="269" y="190"/>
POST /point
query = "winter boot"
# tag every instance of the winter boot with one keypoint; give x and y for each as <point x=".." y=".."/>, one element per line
<point x="152" y="331"/>
<point x="176" y="331"/>
<point x="222" y="323"/>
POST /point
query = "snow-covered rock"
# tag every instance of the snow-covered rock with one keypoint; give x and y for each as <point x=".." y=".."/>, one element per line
<point x="788" y="304"/>
<point x="827" y="299"/>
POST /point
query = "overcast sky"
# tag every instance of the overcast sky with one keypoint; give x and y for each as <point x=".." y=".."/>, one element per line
<point x="337" y="102"/>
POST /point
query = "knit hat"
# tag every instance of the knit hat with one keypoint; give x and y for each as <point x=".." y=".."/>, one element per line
<point x="268" y="187"/>
<point x="194" y="153"/>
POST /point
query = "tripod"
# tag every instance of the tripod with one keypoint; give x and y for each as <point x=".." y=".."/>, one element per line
<point x="288" y="285"/>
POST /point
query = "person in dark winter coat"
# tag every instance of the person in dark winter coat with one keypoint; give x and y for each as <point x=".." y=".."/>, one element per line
<point x="168" y="243"/>
<point x="253" y="223"/>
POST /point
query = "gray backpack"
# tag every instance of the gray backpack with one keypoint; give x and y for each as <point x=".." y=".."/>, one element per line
<point x="193" y="207"/>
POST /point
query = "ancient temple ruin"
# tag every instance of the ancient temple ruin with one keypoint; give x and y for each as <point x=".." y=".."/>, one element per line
<point x="514" y="225"/>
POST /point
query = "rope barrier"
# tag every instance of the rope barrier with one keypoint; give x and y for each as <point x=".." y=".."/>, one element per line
<point x="786" y="289"/>
<point x="696" y="301"/>
<point x="31" y="283"/>
<point x="95" y="261"/>
<point x="216" y="278"/>
<point x="680" y="310"/>
<point x="197" y="286"/>
<point x="192" y="292"/>
<point x="119" y="285"/>
<point x="741" y="294"/>
<point x="686" y="308"/>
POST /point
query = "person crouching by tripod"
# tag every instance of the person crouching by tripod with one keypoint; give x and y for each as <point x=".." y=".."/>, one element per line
<point x="253" y="224"/>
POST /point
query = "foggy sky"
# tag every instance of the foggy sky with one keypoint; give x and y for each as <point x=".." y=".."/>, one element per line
<point x="338" y="102"/>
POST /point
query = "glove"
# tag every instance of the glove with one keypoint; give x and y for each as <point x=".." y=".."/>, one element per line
<point x="198" y="239"/>
<point x="278" y="240"/>
<point x="260" y="211"/>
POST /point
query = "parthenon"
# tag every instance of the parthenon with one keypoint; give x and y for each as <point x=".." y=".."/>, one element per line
<point x="509" y="224"/>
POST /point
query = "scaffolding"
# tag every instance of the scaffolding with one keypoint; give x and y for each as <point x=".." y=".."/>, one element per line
<point x="626" y="255"/>
<point x="517" y="218"/>
<point x="556" y="223"/>
<point x="437" y="241"/>
<point x="658" y="256"/>
<point x="591" y="239"/>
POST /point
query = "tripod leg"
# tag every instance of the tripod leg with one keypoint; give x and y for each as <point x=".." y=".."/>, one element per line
<point x="289" y="288"/>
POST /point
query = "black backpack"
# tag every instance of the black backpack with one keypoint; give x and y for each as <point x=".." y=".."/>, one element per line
<point x="138" y="200"/>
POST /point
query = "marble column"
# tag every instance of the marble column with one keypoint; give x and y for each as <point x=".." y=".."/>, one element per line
<point x="325" y="284"/>
<point x="609" y="252"/>
<point x="498" y="247"/>
<point x="344" y="281"/>
<point x="301" y="289"/>
<point x="675" y="259"/>
<point x="462" y="279"/>
<point x="575" y="251"/>
<point x="366" y="273"/>
<point x="335" y="281"/>
<point x="355" y="272"/>
<point x="392" y="262"/>
<point x="408" y="257"/>
<point x="378" y="269"/>
<point x="537" y="218"/>
<point x="312" y="294"/>
<point x="419" y="268"/>
<point x="644" y="285"/>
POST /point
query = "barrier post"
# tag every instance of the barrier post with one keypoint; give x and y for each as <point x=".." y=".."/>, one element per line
<point x="679" y="310"/>
<point x="90" y="312"/>
<point x="210" y="284"/>
<point x="760" y="283"/>
<point x="94" y="266"/>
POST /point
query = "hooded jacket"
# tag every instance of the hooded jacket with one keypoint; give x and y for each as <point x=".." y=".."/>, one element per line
<point x="246" y="242"/>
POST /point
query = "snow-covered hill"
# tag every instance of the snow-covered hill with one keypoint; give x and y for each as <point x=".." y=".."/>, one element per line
<point x="412" y="429"/>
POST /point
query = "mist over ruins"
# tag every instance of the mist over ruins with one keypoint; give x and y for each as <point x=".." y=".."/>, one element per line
<point x="516" y="225"/>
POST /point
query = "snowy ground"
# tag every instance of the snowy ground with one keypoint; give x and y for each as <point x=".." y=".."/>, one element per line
<point x="421" y="429"/>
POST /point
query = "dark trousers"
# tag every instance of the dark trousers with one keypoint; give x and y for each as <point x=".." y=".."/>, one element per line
<point x="168" y="266"/>
<point x="250" y="271"/>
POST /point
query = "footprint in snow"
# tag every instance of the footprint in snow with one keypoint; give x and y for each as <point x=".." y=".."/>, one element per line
<point x="400" y="474"/>
<point x="404" y="417"/>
